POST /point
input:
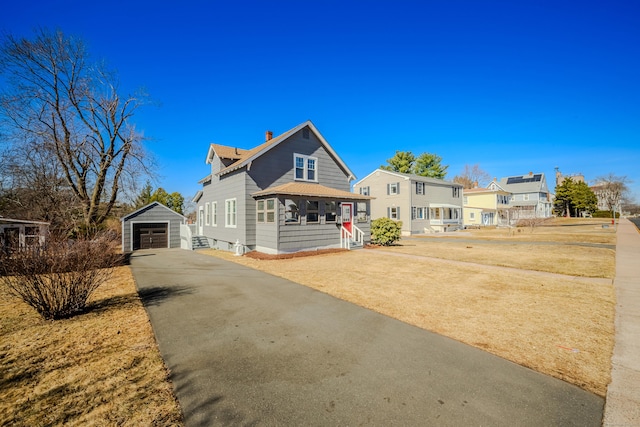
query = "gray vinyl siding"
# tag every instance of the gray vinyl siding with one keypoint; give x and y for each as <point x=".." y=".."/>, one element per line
<point x="276" y="166"/>
<point x="153" y="214"/>
<point x="296" y="237"/>
<point x="231" y="186"/>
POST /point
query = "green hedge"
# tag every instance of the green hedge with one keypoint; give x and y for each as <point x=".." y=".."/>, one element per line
<point x="604" y="214"/>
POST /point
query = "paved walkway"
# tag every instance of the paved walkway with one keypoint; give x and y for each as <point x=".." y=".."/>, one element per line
<point x="623" y="394"/>
<point x="248" y="348"/>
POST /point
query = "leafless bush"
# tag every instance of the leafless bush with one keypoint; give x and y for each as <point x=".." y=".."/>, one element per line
<point x="58" y="280"/>
<point x="532" y="223"/>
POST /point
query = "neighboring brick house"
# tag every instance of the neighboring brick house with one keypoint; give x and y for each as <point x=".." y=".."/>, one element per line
<point x="290" y="193"/>
<point x="424" y="205"/>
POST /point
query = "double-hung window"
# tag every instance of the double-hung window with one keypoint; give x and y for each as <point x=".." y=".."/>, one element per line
<point x="361" y="210"/>
<point x="214" y="214"/>
<point x="418" y="212"/>
<point x="207" y="214"/>
<point x="393" y="188"/>
<point x="230" y="213"/>
<point x="394" y="213"/>
<point x="305" y="168"/>
<point x="420" y="188"/>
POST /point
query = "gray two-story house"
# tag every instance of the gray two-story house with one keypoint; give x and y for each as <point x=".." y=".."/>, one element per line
<point x="530" y="197"/>
<point x="288" y="194"/>
<point x="424" y="205"/>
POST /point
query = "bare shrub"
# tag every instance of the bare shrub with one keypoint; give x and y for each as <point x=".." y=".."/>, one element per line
<point x="58" y="280"/>
<point x="532" y="223"/>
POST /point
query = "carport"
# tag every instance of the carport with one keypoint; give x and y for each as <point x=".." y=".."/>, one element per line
<point x="153" y="226"/>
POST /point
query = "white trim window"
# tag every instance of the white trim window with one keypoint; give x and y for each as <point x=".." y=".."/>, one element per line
<point x="455" y="192"/>
<point x="364" y="191"/>
<point x="418" y="212"/>
<point x="472" y="215"/>
<point x="214" y="214"/>
<point x="266" y="211"/>
<point x="393" y="188"/>
<point x="305" y="168"/>
<point x="394" y="213"/>
<point x="207" y="213"/>
<point x="230" y="213"/>
<point x="361" y="209"/>
<point x="420" y="188"/>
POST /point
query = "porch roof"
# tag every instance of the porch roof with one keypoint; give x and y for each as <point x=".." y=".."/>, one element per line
<point x="444" y="205"/>
<point x="310" y="190"/>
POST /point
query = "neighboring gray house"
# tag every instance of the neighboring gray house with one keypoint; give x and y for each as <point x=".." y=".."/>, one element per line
<point x="151" y="227"/>
<point x="18" y="234"/>
<point x="289" y="194"/>
<point x="424" y="205"/>
<point x="530" y="197"/>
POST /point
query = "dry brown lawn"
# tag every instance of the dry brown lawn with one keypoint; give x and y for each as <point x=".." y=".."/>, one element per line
<point x="560" y="326"/>
<point x="96" y="369"/>
<point x="558" y="258"/>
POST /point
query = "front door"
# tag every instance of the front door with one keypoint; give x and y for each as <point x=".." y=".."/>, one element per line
<point x="347" y="216"/>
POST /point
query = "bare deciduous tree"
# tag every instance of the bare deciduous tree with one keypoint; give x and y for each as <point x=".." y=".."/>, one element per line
<point x="611" y="191"/>
<point x="472" y="176"/>
<point x="71" y="110"/>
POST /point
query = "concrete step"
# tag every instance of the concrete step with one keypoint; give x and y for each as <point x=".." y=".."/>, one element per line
<point x="199" y="242"/>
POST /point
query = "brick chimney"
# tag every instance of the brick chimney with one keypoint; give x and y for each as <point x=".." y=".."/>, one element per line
<point x="268" y="135"/>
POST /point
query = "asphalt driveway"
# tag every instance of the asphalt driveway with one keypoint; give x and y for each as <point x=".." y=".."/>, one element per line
<point x="248" y="348"/>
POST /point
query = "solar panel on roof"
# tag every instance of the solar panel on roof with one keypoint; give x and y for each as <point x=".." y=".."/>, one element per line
<point x="524" y="179"/>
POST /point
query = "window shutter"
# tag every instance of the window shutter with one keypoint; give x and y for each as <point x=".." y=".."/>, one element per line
<point x="388" y="212"/>
<point x="398" y="212"/>
<point x="388" y="189"/>
<point x="397" y="188"/>
<point x="413" y="212"/>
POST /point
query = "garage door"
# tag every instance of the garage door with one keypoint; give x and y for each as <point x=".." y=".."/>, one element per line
<point x="150" y="236"/>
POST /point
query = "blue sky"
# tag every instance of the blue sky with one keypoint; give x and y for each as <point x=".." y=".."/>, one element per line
<point x="514" y="86"/>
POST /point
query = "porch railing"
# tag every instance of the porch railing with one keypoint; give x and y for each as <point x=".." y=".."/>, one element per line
<point x="348" y="237"/>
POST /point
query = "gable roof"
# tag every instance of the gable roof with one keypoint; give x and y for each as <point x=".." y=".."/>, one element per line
<point x="150" y="206"/>
<point x="530" y="183"/>
<point x="245" y="157"/>
<point x="413" y="177"/>
<point x="310" y="190"/>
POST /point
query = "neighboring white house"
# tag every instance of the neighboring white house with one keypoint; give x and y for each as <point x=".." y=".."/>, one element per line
<point x="530" y="196"/>
<point x="424" y="205"/>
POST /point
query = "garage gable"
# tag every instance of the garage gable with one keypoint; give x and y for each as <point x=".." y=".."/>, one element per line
<point x="153" y="226"/>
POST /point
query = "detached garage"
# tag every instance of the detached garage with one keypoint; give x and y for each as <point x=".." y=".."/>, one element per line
<point x="151" y="227"/>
